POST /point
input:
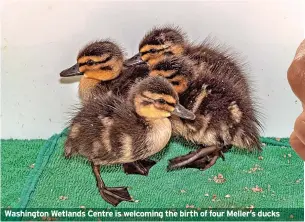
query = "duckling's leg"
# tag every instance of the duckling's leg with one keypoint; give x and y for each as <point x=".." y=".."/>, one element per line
<point x="183" y="161"/>
<point x="199" y="164"/>
<point x="205" y="161"/>
<point x="141" y="167"/>
<point x="113" y="195"/>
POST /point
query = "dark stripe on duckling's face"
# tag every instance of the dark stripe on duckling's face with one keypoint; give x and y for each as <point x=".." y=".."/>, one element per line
<point x="160" y="101"/>
<point x="106" y="68"/>
<point x="153" y="48"/>
<point x="152" y="51"/>
<point x="146" y="102"/>
<point x="175" y="73"/>
<point x="162" y="97"/>
<point x="91" y="62"/>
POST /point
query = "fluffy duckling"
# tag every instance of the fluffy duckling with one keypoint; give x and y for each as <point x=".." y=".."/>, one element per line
<point x="166" y="41"/>
<point x="225" y="112"/>
<point x="101" y="64"/>
<point x="102" y="131"/>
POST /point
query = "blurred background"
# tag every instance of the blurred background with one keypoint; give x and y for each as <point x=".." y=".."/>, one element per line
<point x="41" y="38"/>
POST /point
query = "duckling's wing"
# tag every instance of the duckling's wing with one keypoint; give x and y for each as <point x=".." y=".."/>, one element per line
<point x="102" y="106"/>
<point x="111" y="106"/>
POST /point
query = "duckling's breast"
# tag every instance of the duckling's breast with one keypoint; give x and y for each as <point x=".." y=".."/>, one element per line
<point x="158" y="137"/>
<point x="85" y="88"/>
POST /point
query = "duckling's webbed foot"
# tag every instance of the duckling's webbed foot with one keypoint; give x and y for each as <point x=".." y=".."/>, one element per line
<point x="141" y="167"/>
<point x="113" y="195"/>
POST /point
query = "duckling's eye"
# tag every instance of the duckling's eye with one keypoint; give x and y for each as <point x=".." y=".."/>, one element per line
<point x="90" y="62"/>
<point x="153" y="51"/>
<point x="161" y="101"/>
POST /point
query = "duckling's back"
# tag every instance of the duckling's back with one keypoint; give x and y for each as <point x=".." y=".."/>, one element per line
<point x="225" y="109"/>
<point x="217" y="60"/>
<point x="107" y="131"/>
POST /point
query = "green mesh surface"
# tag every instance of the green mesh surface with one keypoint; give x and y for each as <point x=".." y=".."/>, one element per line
<point x="279" y="173"/>
<point x="17" y="157"/>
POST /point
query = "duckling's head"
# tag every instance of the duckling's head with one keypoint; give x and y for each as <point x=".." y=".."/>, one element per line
<point x="157" y="44"/>
<point x="178" y="71"/>
<point x="155" y="98"/>
<point x="100" y="60"/>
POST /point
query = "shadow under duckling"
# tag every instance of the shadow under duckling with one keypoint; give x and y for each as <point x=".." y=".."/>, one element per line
<point x="112" y="130"/>
<point x="101" y="65"/>
<point x="225" y="112"/>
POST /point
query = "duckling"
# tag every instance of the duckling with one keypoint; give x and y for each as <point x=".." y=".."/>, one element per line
<point x="166" y="41"/>
<point x="207" y="58"/>
<point x="102" y="131"/>
<point x="101" y="65"/>
<point x="99" y="61"/>
<point x="225" y="111"/>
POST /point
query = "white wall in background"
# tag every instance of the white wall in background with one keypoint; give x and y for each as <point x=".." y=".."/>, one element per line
<point x="41" y="38"/>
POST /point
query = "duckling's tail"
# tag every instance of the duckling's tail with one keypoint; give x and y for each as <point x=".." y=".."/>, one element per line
<point x="247" y="136"/>
<point x="68" y="148"/>
<point x="249" y="141"/>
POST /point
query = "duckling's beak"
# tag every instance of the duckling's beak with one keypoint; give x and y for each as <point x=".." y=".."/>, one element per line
<point x="135" y="60"/>
<point x="72" y="71"/>
<point x="183" y="112"/>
